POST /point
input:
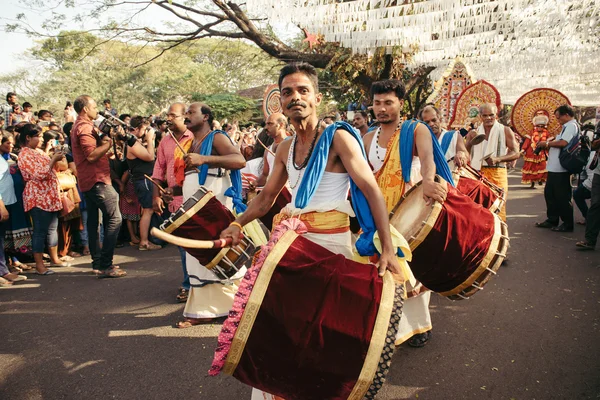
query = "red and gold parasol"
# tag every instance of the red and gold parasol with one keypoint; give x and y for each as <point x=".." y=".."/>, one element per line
<point x="537" y="101"/>
<point x="466" y="109"/>
<point x="447" y="89"/>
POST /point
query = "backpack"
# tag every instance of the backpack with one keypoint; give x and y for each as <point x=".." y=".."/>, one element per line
<point x="575" y="155"/>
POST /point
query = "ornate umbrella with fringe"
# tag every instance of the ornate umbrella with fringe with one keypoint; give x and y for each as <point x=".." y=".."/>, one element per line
<point x="466" y="109"/>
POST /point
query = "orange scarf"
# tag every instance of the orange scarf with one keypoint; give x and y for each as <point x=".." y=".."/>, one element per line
<point x="179" y="165"/>
<point x="389" y="177"/>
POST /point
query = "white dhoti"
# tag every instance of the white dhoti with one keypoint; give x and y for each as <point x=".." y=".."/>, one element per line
<point x="208" y="296"/>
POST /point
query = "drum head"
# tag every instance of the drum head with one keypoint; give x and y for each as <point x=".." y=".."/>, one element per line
<point x="410" y="214"/>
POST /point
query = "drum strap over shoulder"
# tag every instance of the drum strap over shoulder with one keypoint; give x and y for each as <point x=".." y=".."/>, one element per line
<point x="446" y="140"/>
<point x="407" y="143"/>
<point x="235" y="191"/>
<point x="314" y="173"/>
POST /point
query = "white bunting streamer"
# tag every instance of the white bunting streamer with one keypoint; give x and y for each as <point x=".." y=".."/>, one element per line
<point x="517" y="45"/>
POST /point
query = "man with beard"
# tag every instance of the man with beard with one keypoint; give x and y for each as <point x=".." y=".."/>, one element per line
<point x="452" y="143"/>
<point x="491" y="156"/>
<point x="326" y="211"/>
<point x="361" y="122"/>
<point x="388" y="100"/>
<point x="209" y="297"/>
<point x="164" y="171"/>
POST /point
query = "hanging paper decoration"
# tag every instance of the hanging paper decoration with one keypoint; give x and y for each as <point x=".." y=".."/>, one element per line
<point x="447" y="89"/>
<point x="466" y="110"/>
<point x="519" y="44"/>
<point x="271" y="100"/>
<point x="537" y="101"/>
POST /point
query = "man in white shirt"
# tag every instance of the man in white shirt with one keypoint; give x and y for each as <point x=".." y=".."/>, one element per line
<point x="558" y="187"/>
<point x="453" y="146"/>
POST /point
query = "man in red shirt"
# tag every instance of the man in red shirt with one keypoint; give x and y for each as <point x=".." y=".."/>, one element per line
<point x="93" y="171"/>
<point x="164" y="171"/>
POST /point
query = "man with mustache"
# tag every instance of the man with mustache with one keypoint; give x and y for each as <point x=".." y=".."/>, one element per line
<point x="361" y="122"/>
<point x="164" y="171"/>
<point x="388" y="101"/>
<point x="491" y="156"/>
<point x="209" y="297"/>
<point x="452" y="143"/>
<point x="326" y="212"/>
<point x="276" y="127"/>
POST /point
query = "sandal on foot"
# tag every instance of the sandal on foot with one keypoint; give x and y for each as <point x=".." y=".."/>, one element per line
<point x="66" y="258"/>
<point x="15" y="278"/>
<point x="47" y="272"/>
<point x="583" y="245"/>
<point x="189" y="322"/>
<point x="112" y="273"/>
<point x="420" y="339"/>
<point x="5" y="283"/>
<point x="149" y="246"/>
<point x="182" y="296"/>
<point x="61" y="265"/>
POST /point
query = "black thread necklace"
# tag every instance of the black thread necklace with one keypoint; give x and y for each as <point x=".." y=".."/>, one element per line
<point x="310" y="150"/>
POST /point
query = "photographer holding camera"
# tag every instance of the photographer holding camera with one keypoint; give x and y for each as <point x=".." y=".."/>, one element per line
<point x="140" y="159"/>
<point x="89" y="146"/>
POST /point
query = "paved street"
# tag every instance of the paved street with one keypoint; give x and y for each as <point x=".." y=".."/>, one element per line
<point x="531" y="334"/>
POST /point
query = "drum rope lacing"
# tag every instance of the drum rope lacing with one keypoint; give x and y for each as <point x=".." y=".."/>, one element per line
<point x="377" y="135"/>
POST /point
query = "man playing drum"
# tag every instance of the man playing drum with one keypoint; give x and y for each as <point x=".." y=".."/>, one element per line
<point x="388" y="99"/>
<point x="209" y="297"/>
<point x="327" y="210"/>
<point x="491" y="156"/>
<point x="452" y="143"/>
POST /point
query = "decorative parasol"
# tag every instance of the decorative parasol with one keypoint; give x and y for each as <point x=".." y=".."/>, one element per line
<point x="537" y="101"/>
<point x="466" y="109"/>
<point x="271" y="100"/>
<point x="447" y="89"/>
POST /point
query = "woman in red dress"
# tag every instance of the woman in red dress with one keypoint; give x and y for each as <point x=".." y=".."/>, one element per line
<point x="534" y="168"/>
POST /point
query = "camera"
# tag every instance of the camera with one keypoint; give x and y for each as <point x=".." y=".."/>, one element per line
<point x="537" y="151"/>
<point x="104" y="125"/>
<point x="62" y="148"/>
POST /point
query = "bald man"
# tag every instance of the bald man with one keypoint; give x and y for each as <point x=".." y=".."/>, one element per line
<point x="452" y="142"/>
<point x="164" y="171"/>
<point x="276" y="127"/>
<point x="491" y="156"/>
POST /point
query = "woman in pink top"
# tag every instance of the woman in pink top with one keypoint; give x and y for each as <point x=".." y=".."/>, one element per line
<point x="41" y="197"/>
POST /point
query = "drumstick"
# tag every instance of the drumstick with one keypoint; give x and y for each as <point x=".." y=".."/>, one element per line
<point x="177" y="142"/>
<point x="191" y="243"/>
<point x="162" y="190"/>
<point x="263" y="145"/>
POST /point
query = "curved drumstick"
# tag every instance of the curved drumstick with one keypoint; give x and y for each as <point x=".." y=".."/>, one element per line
<point x="162" y="190"/>
<point x="176" y="142"/>
<point x="191" y="243"/>
<point x="263" y="145"/>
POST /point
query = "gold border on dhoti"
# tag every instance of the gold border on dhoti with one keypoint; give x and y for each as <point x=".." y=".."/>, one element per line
<point x="485" y="263"/>
<point x="382" y="322"/>
<point x="189" y="213"/>
<point x="255" y="300"/>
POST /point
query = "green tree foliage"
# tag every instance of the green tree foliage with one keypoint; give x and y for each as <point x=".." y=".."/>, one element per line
<point x="76" y="63"/>
<point x="231" y="106"/>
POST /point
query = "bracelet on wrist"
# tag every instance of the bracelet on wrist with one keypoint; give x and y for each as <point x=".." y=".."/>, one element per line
<point x="237" y="224"/>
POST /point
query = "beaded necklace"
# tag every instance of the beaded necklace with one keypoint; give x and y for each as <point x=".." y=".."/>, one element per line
<point x="377" y="135"/>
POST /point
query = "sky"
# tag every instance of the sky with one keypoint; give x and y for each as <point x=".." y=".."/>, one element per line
<point x="13" y="45"/>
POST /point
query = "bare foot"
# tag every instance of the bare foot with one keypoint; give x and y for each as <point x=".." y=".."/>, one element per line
<point x="189" y="322"/>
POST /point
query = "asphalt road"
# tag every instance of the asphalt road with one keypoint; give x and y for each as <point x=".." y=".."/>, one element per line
<point x="533" y="333"/>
